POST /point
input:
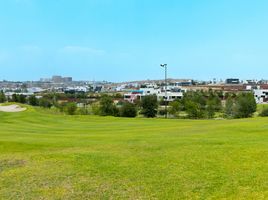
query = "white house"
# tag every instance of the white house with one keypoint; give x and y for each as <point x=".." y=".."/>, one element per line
<point x="261" y="96"/>
<point x="138" y="94"/>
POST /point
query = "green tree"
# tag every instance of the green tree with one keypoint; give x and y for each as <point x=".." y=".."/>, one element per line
<point x="14" y="98"/>
<point x="2" y="97"/>
<point x="149" y="106"/>
<point x="245" y="105"/>
<point x="211" y="109"/>
<point x="128" y="110"/>
<point x="95" y="108"/>
<point x="216" y="101"/>
<point x="118" y="96"/>
<point x="213" y="104"/>
<point x="82" y="111"/>
<point x="229" y="107"/>
<point x="45" y="103"/>
<point x="21" y="98"/>
<point x="32" y="100"/>
<point x="107" y="107"/>
<point x="264" y="112"/>
<point x="197" y="97"/>
<point x="174" y="108"/>
<point x="70" y="108"/>
<point x="194" y="110"/>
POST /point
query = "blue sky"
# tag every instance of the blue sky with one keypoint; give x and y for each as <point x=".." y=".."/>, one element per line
<point x="120" y="40"/>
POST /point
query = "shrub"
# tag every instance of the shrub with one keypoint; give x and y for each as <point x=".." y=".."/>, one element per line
<point x="245" y="105"/>
<point x="211" y="109"/>
<point x="22" y="98"/>
<point x="2" y="97"/>
<point x="162" y="112"/>
<point x="175" y="108"/>
<point x="107" y="107"/>
<point x="264" y="112"/>
<point x="32" y="100"/>
<point x="95" y="108"/>
<point x="14" y="98"/>
<point x="229" y="108"/>
<point x="82" y="111"/>
<point x="149" y="106"/>
<point x="45" y="103"/>
<point x="70" y="108"/>
<point x="128" y="110"/>
<point x="194" y="110"/>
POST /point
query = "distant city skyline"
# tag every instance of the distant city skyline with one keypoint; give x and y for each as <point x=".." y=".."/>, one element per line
<point x="118" y="40"/>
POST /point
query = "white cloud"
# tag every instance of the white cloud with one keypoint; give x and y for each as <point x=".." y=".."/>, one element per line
<point x="82" y="50"/>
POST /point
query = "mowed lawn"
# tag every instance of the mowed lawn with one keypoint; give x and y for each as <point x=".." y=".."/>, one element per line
<point x="46" y="156"/>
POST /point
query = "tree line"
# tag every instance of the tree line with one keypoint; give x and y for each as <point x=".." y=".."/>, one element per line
<point x="193" y="105"/>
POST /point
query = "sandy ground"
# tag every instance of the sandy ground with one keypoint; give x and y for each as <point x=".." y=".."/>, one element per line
<point x="12" y="108"/>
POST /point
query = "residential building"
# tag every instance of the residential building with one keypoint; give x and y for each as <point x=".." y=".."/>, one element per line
<point x="232" y="81"/>
<point x="261" y="95"/>
<point x="172" y="94"/>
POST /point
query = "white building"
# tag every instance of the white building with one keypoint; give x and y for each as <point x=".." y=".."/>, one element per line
<point x="150" y="91"/>
<point x="171" y="96"/>
<point x="138" y="94"/>
<point x="261" y="96"/>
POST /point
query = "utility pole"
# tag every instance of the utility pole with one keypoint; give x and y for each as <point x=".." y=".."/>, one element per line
<point x="165" y="67"/>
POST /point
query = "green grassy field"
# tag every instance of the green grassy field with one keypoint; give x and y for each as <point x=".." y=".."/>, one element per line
<point x="46" y="156"/>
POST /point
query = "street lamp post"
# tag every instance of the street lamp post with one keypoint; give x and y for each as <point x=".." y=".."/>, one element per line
<point x="165" y="66"/>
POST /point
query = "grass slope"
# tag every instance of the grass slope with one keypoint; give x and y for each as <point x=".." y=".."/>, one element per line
<point x="45" y="156"/>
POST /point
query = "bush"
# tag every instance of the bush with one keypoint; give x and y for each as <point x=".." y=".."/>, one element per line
<point x="264" y="112"/>
<point x="33" y="101"/>
<point x="45" y="103"/>
<point x="229" y="108"/>
<point x="211" y="109"/>
<point x="149" y="106"/>
<point x="107" y="107"/>
<point x="175" y="108"/>
<point x="59" y="106"/>
<point x="128" y="110"/>
<point x="95" y="108"/>
<point x="162" y="112"/>
<point x="14" y="98"/>
<point x="82" y="111"/>
<point x="70" y="108"/>
<point x="2" y="97"/>
<point x="21" y="98"/>
<point x="245" y="105"/>
<point x="194" y="110"/>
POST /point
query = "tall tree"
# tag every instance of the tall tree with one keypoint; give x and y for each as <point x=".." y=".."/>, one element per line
<point x="107" y="107"/>
<point x="2" y="97"/>
<point x="194" y="110"/>
<point x="21" y="98"/>
<point x="14" y="98"/>
<point x="245" y="105"/>
<point x="32" y="100"/>
<point x="149" y="106"/>
<point x="229" y="107"/>
<point x="174" y="108"/>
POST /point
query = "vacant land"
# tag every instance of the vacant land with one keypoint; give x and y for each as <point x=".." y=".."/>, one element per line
<point x="46" y="156"/>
